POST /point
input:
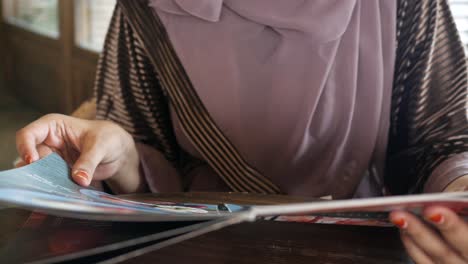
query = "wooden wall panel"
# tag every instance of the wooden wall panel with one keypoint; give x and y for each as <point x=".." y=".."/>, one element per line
<point x="51" y="75"/>
<point x="34" y="73"/>
<point x="83" y="76"/>
<point x="2" y="51"/>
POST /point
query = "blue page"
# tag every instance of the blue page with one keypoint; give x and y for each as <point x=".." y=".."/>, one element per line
<point x="46" y="186"/>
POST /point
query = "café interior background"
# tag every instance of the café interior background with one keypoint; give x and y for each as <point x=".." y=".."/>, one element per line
<point x="48" y="56"/>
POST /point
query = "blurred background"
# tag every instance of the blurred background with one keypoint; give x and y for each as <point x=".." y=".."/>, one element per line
<point x="48" y="55"/>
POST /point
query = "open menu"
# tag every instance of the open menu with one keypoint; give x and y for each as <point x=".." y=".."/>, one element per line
<point x="46" y="186"/>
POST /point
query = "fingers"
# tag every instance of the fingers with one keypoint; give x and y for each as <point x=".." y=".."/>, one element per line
<point x="19" y="163"/>
<point x="85" y="144"/>
<point x="425" y="238"/>
<point x="416" y="253"/>
<point x="36" y="133"/>
<point x="42" y="150"/>
<point x="85" y="166"/>
<point x="453" y="228"/>
<point x="28" y="138"/>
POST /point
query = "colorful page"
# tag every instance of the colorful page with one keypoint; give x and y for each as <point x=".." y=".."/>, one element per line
<point x="46" y="186"/>
<point x="365" y="211"/>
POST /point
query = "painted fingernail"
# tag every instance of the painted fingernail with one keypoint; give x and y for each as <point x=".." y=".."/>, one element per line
<point x="437" y="218"/>
<point x="28" y="159"/>
<point x="400" y="222"/>
<point x="83" y="175"/>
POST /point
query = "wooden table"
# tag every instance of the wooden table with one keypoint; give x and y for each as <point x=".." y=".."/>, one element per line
<point x="262" y="241"/>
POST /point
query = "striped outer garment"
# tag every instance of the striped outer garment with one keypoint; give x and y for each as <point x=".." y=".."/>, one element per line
<point x="139" y="75"/>
<point x="428" y="119"/>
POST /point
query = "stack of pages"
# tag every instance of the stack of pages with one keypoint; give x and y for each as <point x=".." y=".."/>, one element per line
<point x="45" y="187"/>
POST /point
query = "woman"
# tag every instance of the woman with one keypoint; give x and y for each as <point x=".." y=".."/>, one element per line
<point x="342" y="98"/>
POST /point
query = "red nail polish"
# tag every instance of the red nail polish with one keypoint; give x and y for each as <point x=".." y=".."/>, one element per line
<point x="437" y="218"/>
<point x="401" y="223"/>
<point x="83" y="175"/>
<point x="28" y="159"/>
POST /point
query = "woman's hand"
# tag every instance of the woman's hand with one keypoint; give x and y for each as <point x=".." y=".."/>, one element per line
<point x="96" y="150"/>
<point x="442" y="237"/>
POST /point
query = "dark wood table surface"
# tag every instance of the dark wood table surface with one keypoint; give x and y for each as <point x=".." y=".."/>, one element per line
<point x="261" y="241"/>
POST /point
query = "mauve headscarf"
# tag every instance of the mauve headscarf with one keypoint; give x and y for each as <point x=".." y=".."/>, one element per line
<point x="301" y="88"/>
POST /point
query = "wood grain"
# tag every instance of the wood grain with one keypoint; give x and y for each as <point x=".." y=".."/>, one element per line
<point x="261" y="241"/>
<point x="277" y="242"/>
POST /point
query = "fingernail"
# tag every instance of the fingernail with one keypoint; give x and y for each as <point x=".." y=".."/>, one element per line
<point x="437" y="218"/>
<point x="83" y="175"/>
<point x="400" y="222"/>
<point x="28" y="159"/>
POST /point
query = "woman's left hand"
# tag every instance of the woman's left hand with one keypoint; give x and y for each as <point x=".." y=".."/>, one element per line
<point x="442" y="237"/>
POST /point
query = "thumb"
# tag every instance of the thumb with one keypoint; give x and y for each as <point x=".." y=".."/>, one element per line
<point x="85" y="166"/>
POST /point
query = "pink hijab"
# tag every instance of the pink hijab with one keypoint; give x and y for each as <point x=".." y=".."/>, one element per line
<point x="301" y="88"/>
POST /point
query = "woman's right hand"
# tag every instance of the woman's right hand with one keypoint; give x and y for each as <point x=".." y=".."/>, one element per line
<point x="96" y="150"/>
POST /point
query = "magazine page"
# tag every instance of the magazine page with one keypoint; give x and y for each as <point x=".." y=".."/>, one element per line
<point x="364" y="211"/>
<point x="46" y="186"/>
<point x="379" y="219"/>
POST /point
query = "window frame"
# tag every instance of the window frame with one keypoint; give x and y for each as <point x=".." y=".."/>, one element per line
<point x="83" y="9"/>
<point x="10" y="16"/>
<point x="67" y="35"/>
